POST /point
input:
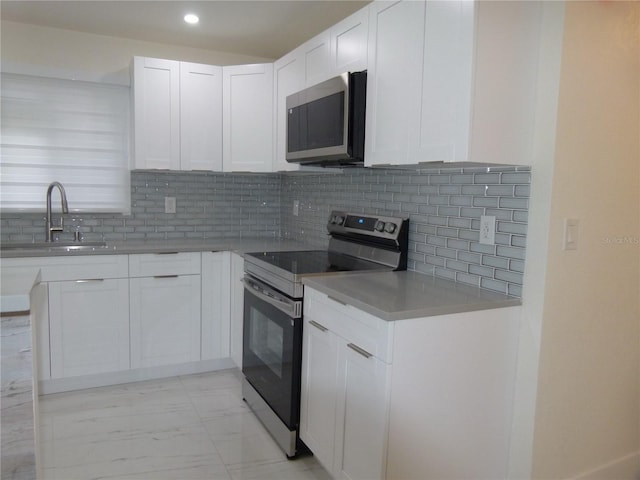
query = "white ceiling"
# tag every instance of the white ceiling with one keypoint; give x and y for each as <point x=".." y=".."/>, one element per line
<point x="262" y="28"/>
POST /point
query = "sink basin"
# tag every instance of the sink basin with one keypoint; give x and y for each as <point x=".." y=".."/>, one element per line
<point x="53" y="245"/>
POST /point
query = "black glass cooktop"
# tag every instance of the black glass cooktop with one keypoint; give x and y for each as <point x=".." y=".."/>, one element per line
<point x="314" y="261"/>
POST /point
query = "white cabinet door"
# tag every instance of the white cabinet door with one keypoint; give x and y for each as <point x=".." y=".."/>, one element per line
<point x="396" y="35"/>
<point x="165" y="320"/>
<point x="200" y="117"/>
<point x="319" y="390"/>
<point x="248" y="118"/>
<point x="89" y="327"/>
<point x="237" y="308"/>
<point x="316" y="53"/>
<point x="362" y="413"/>
<point x="216" y="302"/>
<point x="156" y="93"/>
<point x="288" y="79"/>
<point x="345" y="388"/>
<point x="442" y="130"/>
<point x="349" y="40"/>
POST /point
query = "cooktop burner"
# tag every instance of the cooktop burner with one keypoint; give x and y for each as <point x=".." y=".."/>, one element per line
<point x="314" y="261"/>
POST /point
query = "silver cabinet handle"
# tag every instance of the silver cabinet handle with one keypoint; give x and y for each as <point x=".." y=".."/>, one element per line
<point x="88" y="280"/>
<point x="166" y="276"/>
<point x="359" y="350"/>
<point x="318" y="326"/>
<point x="166" y="253"/>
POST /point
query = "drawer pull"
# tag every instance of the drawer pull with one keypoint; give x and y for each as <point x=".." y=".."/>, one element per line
<point x="359" y="350"/>
<point x="318" y="326"/>
<point x="167" y="253"/>
<point x="88" y="280"/>
<point x="166" y="276"/>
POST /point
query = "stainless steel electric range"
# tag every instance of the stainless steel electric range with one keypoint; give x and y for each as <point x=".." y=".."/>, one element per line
<point x="273" y="301"/>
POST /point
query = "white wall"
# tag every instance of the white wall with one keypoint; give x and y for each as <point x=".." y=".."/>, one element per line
<point x="588" y="399"/>
<point x="94" y="57"/>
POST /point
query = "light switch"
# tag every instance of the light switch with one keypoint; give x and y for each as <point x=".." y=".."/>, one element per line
<point x="571" y="234"/>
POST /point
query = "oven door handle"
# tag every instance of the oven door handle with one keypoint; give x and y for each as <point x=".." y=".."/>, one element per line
<point x="293" y="308"/>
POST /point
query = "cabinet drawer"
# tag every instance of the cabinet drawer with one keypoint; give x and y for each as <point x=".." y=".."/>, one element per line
<point x="155" y="264"/>
<point x="365" y="331"/>
<point x="87" y="267"/>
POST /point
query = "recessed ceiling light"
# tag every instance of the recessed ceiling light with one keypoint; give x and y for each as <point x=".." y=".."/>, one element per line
<point x="191" y="18"/>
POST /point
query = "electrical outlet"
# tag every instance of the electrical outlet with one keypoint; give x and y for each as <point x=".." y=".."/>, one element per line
<point x="169" y="204"/>
<point x="488" y="229"/>
<point x="296" y="208"/>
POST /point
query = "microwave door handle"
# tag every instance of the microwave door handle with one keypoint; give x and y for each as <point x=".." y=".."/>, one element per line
<point x="285" y="306"/>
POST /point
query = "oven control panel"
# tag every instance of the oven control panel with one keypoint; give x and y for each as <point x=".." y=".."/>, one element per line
<point x="375" y="226"/>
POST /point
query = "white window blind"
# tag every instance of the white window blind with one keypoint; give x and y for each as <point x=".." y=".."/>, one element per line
<point x="70" y="131"/>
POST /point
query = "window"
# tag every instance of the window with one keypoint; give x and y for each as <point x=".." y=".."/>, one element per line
<point x="74" y="132"/>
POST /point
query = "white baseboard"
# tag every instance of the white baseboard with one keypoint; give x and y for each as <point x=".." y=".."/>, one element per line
<point x="58" y="385"/>
<point x="624" y="468"/>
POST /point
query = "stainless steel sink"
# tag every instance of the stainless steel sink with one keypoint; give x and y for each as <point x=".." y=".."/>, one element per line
<point x="75" y="246"/>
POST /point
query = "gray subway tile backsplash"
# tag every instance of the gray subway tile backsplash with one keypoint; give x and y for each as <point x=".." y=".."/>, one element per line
<point x="444" y="206"/>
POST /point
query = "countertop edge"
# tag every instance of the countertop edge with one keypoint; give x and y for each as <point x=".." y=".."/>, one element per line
<point x="15" y="292"/>
<point x="477" y="304"/>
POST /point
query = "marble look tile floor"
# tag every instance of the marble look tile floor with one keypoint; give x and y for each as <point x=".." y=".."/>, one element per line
<point x="188" y="427"/>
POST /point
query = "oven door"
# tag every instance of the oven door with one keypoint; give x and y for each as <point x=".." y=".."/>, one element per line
<point x="272" y="348"/>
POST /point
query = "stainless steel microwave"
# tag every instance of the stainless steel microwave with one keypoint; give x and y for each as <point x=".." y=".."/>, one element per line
<point x="326" y="122"/>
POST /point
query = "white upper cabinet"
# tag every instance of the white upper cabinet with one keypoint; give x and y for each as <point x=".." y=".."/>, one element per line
<point x="156" y="94"/>
<point x="248" y="118"/>
<point x="316" y="59"/>
<point x="419" y="81"/>
<point x="348" y="40"/>
<point x="177" y="115"/>
<point x="451" y="81"/>
<point x="200" y="117"/>
<point x="288" y="76"/>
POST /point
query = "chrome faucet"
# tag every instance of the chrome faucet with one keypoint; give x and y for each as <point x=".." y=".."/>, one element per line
<point x="65" y="209"/>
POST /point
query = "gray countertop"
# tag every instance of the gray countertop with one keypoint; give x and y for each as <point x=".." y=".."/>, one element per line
<point x="403" y="295"/>
<point x="387" y="295"/>
<point x="239" y="245"/>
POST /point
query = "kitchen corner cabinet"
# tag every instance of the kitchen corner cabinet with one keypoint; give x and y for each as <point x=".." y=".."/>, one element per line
<point x="247" y="118"/>
<point x="372" y="389"/>
<point x="177" y="110"/>
<point x="216" y="294"/>
<point x="164" y="308"/>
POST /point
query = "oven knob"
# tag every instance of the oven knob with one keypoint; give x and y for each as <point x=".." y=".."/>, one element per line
<point x="379" y="226"/>
<point x="339" y="219"/>
<point x="389" y="227"/>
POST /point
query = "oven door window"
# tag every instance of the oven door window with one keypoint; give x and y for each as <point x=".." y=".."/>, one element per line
<point x="266" y="341"/>
<point x="272" y="353"/>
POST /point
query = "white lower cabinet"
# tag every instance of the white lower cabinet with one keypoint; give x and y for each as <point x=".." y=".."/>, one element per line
<point x="425" y="398"/>
<point x="344" y="389"/>
<point x="237" y="308"/>
<point x="164" y="308"/>
<point x="165" y="320"/>
<point x="89" y="326"/>
<point x="216" y="303"/>
<point x="362" y="412"/>
<point x="319" y="390"/>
